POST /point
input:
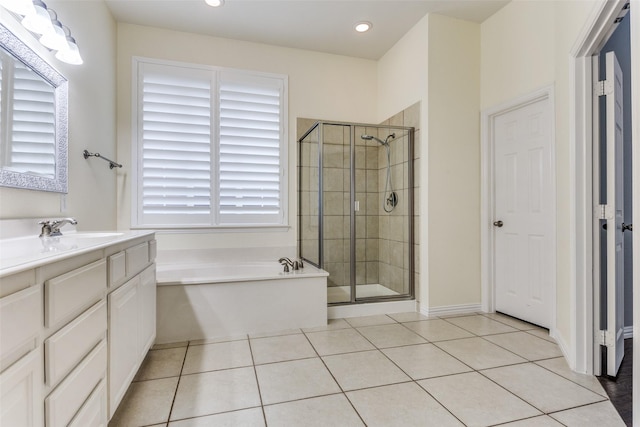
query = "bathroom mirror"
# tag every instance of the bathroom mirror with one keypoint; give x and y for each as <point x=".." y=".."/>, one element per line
<point x="33" y="119"/>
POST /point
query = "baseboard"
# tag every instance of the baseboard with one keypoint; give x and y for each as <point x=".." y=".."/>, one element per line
<point x="553" y="333"/>
<point x="628" y="332"/>
<point x="448" y="310"/>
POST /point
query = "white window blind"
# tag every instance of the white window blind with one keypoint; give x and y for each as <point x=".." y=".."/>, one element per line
<point x="28" y="118"/>
<point x="209" y="147"/>
<point x="250" y="135"/>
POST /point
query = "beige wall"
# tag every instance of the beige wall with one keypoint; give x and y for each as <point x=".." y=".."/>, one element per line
<point x="326" y="86"/>
<point x="454" y="162"/>
<point x="526" y="46"/>
<point x="92" y="185"/>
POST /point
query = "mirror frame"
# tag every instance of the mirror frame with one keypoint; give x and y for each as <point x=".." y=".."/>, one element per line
<point x="58" y="184"/>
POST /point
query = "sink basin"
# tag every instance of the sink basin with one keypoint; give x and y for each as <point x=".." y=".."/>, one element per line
<point x="92" y="235"/>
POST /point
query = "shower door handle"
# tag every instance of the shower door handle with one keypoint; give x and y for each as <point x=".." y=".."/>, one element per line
<point x="498" y="223"/>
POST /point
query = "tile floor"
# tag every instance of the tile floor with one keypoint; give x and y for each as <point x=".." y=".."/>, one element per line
<point x="389" y="370"/>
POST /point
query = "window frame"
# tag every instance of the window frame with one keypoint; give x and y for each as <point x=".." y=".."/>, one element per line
<point x="214" y="223"/>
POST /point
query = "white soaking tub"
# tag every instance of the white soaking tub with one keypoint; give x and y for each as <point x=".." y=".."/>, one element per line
<point x="212" y="300"/>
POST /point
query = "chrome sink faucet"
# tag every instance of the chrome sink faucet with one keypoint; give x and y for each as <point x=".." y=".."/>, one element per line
<point x="52" y="228"/>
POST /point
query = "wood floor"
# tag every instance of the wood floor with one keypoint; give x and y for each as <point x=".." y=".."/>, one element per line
<point x="619" y="388"/>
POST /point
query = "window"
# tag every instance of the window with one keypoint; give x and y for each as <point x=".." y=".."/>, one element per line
<point x="209" y="146"/>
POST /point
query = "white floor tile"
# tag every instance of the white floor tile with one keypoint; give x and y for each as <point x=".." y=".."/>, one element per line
<point x="332" y="410"/>
<point x="331" y="325"/>
<point x="476" y="400"/>
<point x="338" y="341"/>
<point x="479" y="353"/>
<point x="161" y="364"/>
<point x="281" y="348"/>
<point x="243" y="418"/>
<point x="543" y="389"/>
<point x="511" y="321"/>
<point x="480" y="325"/>
<point x="425" y="361"/>
<point x="526" y="345"/>
<point x="393" y="335"/>
<point x="364" y="369"/>
<point x="214" y="392"/>
<point x="297" y="379"/>
<point x="400" y="405"/>
<point x="560" y="367"/>
<point x="601" y="414"/>
<point x="541" y="421"/>
<point x="407" y="317"/>
<point x="145" y="403"/>
<point x="378" y="319"/>
<point x="212" y="357"/>
<point x="438" y="330"/>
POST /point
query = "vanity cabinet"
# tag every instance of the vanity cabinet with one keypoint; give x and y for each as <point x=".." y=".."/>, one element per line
<point x="73" y="333"/>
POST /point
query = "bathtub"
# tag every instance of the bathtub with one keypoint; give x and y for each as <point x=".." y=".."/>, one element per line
<point x="207" y="301"/>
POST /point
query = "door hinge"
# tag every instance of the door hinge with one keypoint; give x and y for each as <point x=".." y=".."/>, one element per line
<point x="606" y="338"/>
<point x="604" y="212"/>
<point x="604" y="87"/>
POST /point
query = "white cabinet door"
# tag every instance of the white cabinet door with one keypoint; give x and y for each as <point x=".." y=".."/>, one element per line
<point x="147" y="309"/>
<point x="21" y="392"/>
<point x="124" y="347"/>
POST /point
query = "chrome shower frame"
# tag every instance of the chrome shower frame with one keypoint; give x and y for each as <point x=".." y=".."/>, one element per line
<point x="410" y="133"/>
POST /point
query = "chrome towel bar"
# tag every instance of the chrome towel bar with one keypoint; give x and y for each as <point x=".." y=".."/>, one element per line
<point x="112" y="164"/>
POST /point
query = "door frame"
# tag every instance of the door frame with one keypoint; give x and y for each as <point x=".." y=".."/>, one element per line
<point x="585" y="356"/>
<point x="487" y="196"/>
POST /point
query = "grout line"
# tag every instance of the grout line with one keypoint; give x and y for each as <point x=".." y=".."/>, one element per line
<point x="255" y="373"/>
<point x="175" y="393"/>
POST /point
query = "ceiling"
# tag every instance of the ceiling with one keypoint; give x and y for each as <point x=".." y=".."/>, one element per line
<point x="319" y="25"/>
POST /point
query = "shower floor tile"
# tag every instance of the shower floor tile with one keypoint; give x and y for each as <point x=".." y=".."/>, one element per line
<point x="389" y="370"/>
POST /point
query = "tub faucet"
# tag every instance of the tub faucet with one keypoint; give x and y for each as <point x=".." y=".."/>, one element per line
<point x="52" y="228"/>
<point x="296" y="265"/>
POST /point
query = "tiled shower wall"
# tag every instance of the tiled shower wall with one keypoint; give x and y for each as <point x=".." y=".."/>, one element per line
<point x="382" y="252"/>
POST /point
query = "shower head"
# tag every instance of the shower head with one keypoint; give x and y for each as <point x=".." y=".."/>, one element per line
<point x="381" y="142"/>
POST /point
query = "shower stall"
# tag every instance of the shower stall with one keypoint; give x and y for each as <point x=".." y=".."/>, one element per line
<point x="356" y="209"/>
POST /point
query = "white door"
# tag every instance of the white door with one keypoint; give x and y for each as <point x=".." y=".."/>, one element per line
<point x="614" y="215"/>
<point x="524" y="209"/>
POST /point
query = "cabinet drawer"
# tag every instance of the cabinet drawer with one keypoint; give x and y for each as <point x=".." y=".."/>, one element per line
<point x="117" y="268"/>
<point x="21" y="392"/>
<point x="65" y="401"/>
<point x="94" y="411"/>
<point x="68" y="295"/>
<point x="137" y="258"/>
<point x="69" y="345"/>
<point x="20" y="322"/>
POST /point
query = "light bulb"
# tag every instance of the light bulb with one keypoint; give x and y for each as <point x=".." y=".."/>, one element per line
<point x="40" y="21"/>
<point x="70" y="54"/>
<point x="214" y="3"/>
<point x="362" y="27"/>
<point x="56" y="39"/>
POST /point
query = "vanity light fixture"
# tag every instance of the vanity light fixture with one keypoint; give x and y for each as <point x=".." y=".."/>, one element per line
<point x="214" y="3"/>
<point x="363" y="26"/>
<point x="41" y="20"/>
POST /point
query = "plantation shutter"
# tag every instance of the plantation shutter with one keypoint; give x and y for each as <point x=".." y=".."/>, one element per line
<point x="209" y="145"/>
<point x="176" y="145"/>
<point x="251" y="131"/>
<point x="32" y="124"/>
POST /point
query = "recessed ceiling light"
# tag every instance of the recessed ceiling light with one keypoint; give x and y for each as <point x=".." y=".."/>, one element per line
<point x="214" y="3"/>
<point x="363" y="26"/>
